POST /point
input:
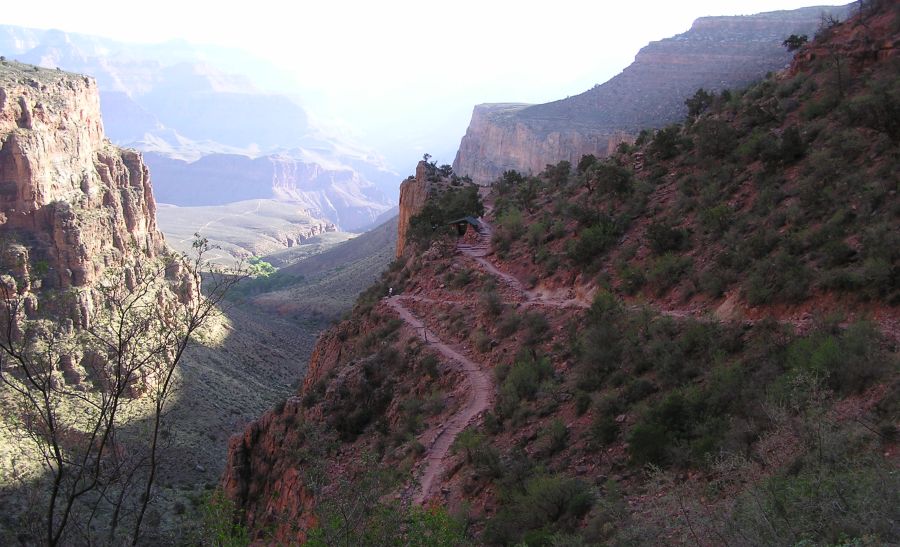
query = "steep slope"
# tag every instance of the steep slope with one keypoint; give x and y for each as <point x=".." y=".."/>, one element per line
<point x="326" y="284"/>
<point x="719" y="301"/>
<point x="716" y="53"/>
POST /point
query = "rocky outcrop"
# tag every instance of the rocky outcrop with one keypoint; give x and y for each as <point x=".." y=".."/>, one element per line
<point x="716" y="53"/>
<point x="413" y="194"/>
<point x="75" y="204"/>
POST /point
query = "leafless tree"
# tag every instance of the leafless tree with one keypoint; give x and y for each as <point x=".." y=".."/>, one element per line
<point x="146" y="315"/>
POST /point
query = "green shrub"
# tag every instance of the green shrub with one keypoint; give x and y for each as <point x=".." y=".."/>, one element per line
<point x="542" y="506"/>
<point x="536" y="328"/>
<point x="783" y="279"/>
<point x="664" y="238"/>
<point x="603" y="430"/>
<point x="668" y="270"/>
<point x="592" y="242"/>
<point x="554" y="437"/>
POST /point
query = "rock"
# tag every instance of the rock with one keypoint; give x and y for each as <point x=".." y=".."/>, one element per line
<point x="716" y="53"/>
<point x="413" y="194"/>
<point x="86" y="205"/>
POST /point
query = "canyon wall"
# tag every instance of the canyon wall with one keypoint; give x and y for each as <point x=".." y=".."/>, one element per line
<point x="716" y="53"/>
<point x="340" y="196"/>
<point x="70" y="202"/>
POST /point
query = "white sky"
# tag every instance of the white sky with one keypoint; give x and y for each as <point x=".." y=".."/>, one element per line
<point x="382" y="66"/>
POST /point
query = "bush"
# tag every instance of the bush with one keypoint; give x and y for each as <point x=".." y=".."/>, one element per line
<point x="536" y="328"/>
<point x="593" y="242"/>
<point x="542" y="506"/>
<point x="554" y="437"/>
<point x="715" y="138"/>
<point x="603" y="430"/>
<point x="784" y="279"/>
<point x="664" y="238"/>
<point x="666" y="142"/>
<point x="668" y="270"/>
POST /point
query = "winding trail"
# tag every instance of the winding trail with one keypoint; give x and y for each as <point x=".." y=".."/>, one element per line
<point x="480" y="388"/>
<point x="478" y="399"/>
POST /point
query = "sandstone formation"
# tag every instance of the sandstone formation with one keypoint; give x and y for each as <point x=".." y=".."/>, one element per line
<point x="716" y="53"/>
<point x="413" y="193"/>
<point x="70" y="202"/>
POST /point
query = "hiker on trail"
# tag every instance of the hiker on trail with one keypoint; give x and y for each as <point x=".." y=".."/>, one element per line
<point x="390" y="291"/>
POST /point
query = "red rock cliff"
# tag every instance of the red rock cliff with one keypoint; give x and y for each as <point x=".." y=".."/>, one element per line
<point x="75" y="203"/>
<point x="413" y="193"/>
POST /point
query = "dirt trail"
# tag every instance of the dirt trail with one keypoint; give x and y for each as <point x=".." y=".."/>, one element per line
<point x="479" y="252"/>
<point x="889" y="327"/>
<point x="478" y="399"/>
<point x="480" y="386"/>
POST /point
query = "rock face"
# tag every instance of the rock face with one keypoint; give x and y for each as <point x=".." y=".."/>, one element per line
<point x="716" y="53"/>
<point x="74" y="203"/>
<point x="413" y="193"/>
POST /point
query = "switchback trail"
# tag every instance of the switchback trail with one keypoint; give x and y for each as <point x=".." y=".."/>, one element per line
<point x="479" y="395"/>
<point x="888" y="326"/>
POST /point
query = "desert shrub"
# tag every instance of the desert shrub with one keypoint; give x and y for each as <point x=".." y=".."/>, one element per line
<point x="878" y="107"/>
<point x="593" y="241"/>
<point x="599" y="346"/>
<point x="540" y="507"/>
<point x="582" y="402"/>
<point x="833" y="496"/>
<point x="631" y="278"/>
<point x="525" y="376"/>
<point x="848" y="363"/>
<point x="638" y="390"/>
<point x="536" y="328"/>
<point x="783" y="279"/>
<point x="608" y="178"/>
<point x="218" y="524"/>
<point x="585" y="163"/>
<point x="603" y="430"/>
<point x="666" y="142"/>
<point x="667" y="270"/>
<point x="715" y="138"/>
<point x="679" y="429"/>
<point x="558" y="174"/>
<point x="663" y="237"/>
<point x="459" y="278"/>
<point x="481" y="340"/>
<point x="554" y="437"/>
<point x="716" y="220"/>
<point x="490" y="300"/>
<point x="509" y="324"/>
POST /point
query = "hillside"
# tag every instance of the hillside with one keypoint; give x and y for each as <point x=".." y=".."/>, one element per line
<point x="716" y="53"/>
<point x="692" y="341"/>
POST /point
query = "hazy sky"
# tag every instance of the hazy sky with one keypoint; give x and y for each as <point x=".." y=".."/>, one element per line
<point x="398" y="70"/>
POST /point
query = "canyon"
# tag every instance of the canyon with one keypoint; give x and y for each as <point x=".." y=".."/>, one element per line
<point x="211" y="136"/>
<point x="716" y="53"/>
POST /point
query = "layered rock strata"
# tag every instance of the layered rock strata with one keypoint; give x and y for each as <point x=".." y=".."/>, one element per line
<point x="716" y="53"/>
